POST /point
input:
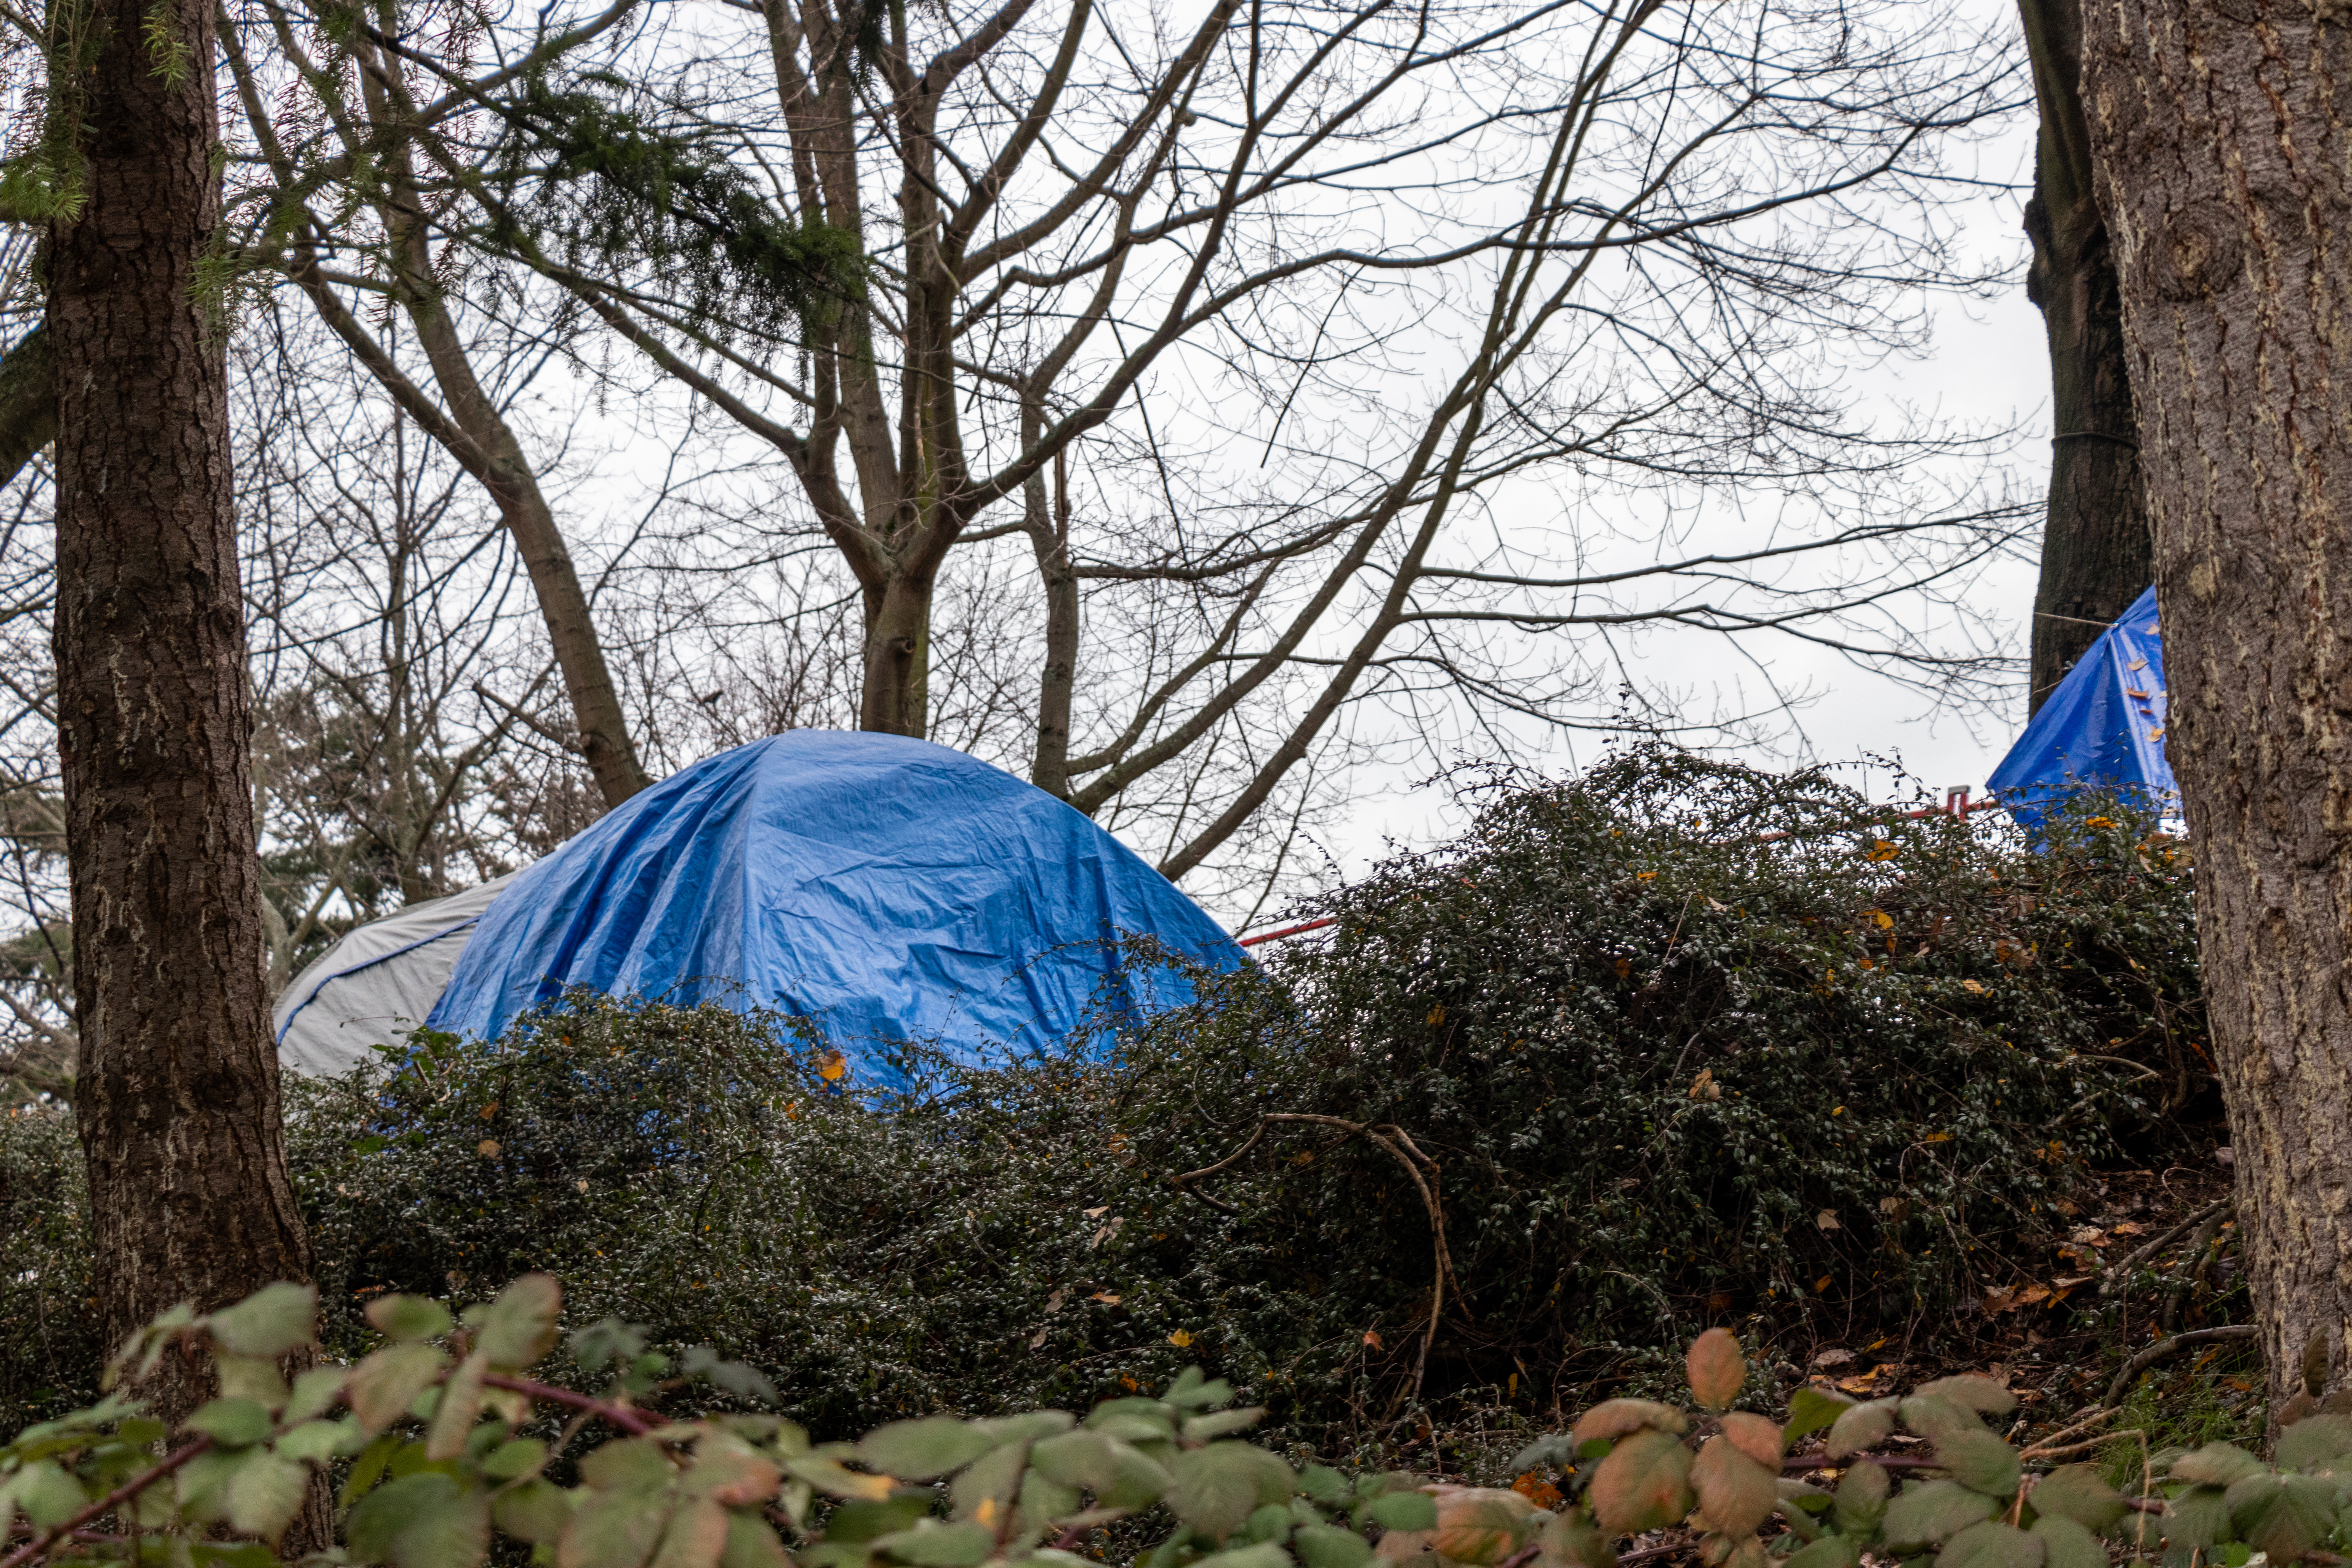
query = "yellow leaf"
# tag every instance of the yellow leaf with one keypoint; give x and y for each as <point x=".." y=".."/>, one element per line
<point x="833" y="1066"/>
<point x="1437" y="1014"/>
<point x="1180" y="1339"/>
<point x="1646" y="876"/>
<point x="1972" y="987"/>
<point x="488" y="1148"/>
<point x="1886" y="921"/>
<point x="1882" y="849"/>
<point x="1937" y="1137"/>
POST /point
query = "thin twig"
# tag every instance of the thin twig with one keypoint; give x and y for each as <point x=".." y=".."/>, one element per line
<point x="2081" y="1424"/>
<point x="2165" y="1347"/>
<point x="619" y="1416"/>
<point x="2112" y="1277"/>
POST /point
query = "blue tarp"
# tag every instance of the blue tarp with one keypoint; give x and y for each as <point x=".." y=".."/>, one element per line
<point x="2102" y="728"/>
<point x="886" y="888"/>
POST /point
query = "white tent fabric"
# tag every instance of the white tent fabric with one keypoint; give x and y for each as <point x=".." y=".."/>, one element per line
<point x="378" y="982"/>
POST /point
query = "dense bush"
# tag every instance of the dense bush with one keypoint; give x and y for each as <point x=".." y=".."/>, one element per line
<point x="1677" y="1043"/>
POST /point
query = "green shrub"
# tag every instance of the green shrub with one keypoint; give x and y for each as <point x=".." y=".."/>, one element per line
<point x="1674" y="1044"/>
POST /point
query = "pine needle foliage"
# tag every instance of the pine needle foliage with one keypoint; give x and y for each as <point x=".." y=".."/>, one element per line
<point x="615" y="188"/>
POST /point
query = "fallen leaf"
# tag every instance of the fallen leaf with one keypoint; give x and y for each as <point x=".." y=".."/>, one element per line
<point x="1106" y="1297"/>
<point x="1054" y="1302"/>
<point x="1972" y="986"/>
<point x="833" y="1066"/>
<point x="1095" y="1214"/>
<point x="1865" y="1383"/>
<point x="1832" y="1357"/>
<point x="2128" y="1228"/>
<point x="1373" y="1338"/>
<point x="1180" y="1339"/>
<point x="1827" y="1220"/>
<point x="488" y="1148"/>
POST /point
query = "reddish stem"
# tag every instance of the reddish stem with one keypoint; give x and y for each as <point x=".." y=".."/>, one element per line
<point x="619" y="1416"/>
<point x="39" y="1546"/>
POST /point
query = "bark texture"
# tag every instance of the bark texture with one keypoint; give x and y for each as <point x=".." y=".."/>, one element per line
<point x="2095" y="551"/>
<point x="177" y="1091"/>
<point x="2225" y="173"/>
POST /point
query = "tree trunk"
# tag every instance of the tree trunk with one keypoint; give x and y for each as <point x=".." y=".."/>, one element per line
<point x="176" y="1092"/>
<point x="2095" y="555"/>
<point x="2225" y="172"/>
<point x="897" y="699"/>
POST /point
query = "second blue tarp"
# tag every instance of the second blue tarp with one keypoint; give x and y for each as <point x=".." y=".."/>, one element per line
<point x="2102" y="729"/>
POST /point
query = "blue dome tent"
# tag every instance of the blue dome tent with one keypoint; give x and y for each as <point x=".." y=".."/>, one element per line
<point x="2102" y="728"/>
<point x="885" y="887"/>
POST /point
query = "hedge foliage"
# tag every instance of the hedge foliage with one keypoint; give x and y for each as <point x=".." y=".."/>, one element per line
<point x="1672" y="1044"/>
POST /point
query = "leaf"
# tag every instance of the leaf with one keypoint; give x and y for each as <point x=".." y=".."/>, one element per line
<point x="1861" y="1426"/>
<point x="1223" y="1423"/>
<point x="1644" y="1484"/>
<point x="514" y="1458"/>
<point x="269" y="1323"/>
<point x="408" y="1319"/>
<point x="731" y="1471"/>
<point x="231" y="1423"/>
<point x="696" y="1536"/>
<point x="831" y="1478"/>
<point x="1829" y="1551"/>
<point x="1980" y="1461"/>
<point x="1734" y="1492"/>
<point x="1403" y="1511"/>
<point x="536" y="1510"/>
<point x="1264" y="1555"/>
<point x="1717" y="1369"/>
<point x="935" y="1543"/>
<point x="1811" y="1409"/>
<point x="2313" y="1441"/>
<point x="1755" y="1436"/>
<point x="1328" y="1546"/>
<point x="614" y="1529"/>
<point x="315" y="1392"/>
<point x="1324" y="1485"/>
<point x="633" y="1464"/>
<point x="1117" y="1472"/>
<point x="518" y="1327"/>
<point x="202" y="1484"/>
<point x="1936" y="1419"/>
<point x="1971" y="1389"/>
<point x="265" y="1494"/>
<point x="1862" y="1499"/>
<point x="923" y="1450"/>
<point x="1613" y="1418"/>
<point x="251" y="1377"/>
<point x="1570" y="1541"/>
<point x="2285" y="1516"/>
<point x="1480" y="1525"/>
<point x="318" y="1441"/>
<point x="461" y="1404"/>
<point x="1219" y="1487"/>
<point x="422" y="1520"/>
<point x="751" y="1543"/>
<point x="381" y="1386"/>
<point x="1992" y="1544"/>
<point x="2196" y="1519"/>
<point x="2077" y="1492"/>
<point x="2216" y="1465"/>
<point x="2068" y="1543"/>
<point x="46" y="1493"/>
<point x="1931" y="1511"/>
<point x="858" y="1522"/>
